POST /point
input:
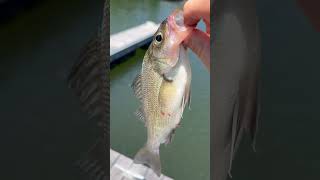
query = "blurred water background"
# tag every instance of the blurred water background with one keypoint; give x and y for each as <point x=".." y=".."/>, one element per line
<point x="188" y="156"/>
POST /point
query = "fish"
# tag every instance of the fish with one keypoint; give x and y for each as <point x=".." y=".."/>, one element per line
<point x="236" y="90"/>
<point x="89" y="79"/>
<point x="163" y="87"/>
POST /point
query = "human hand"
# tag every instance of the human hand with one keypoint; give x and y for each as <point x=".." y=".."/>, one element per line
<point x="198" y="41"/>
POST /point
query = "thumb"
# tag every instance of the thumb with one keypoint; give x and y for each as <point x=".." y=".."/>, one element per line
<point x="199" y="42"/>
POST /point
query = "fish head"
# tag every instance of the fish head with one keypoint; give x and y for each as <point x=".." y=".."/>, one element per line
<point x="167" y="41"/>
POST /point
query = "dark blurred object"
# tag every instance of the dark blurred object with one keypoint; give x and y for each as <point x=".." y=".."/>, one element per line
<point x="10" y="8"/>
<point x="311" y="10"/>
<point x="89" y="78"/>
<point x="236" y="75"/>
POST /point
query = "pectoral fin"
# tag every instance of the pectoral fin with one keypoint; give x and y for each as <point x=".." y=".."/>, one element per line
<point x="169" y="76"/>
<point x="188" y="96"/>
<point x="186" y="99"/>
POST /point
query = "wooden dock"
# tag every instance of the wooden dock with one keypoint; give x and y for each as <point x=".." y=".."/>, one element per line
<point x="127" y="41"/>
<point x="123" y="168"/>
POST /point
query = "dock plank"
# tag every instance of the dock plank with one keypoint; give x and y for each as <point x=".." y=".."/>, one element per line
<point x="124" y="169"/>
<point x="115" y="173"/>
<point x="166" y="178"/>
<point x="139" y="169"/>
<point x="113" y="157"/>
<point x="124" y="42"/>
<point x="124" y="162"/>
<point x="151" y="175"/>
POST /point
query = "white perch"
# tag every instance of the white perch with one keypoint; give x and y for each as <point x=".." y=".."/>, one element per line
<point x="123" y="168"/>
<point x="127" y="41"/>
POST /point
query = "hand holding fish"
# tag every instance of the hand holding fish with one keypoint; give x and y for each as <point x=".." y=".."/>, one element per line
<point x="198" y="41"/>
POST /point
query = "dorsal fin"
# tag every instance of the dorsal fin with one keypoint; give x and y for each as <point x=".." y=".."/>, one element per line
<point x="140" y="113"/>
<point x="137" y="87"/>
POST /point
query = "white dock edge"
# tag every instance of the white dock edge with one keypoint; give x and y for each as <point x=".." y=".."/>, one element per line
<point x="126" y="41"/>
<point x="123" y="168"/>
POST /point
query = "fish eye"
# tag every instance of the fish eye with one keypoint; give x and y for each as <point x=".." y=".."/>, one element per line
<point x="159" y="37"/>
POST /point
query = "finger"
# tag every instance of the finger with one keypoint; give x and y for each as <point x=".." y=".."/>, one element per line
<point x="194" y="10"/>
<point x="199" y="43"/>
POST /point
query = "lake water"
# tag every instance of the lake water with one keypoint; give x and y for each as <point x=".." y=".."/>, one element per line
<point x="188" y="156"/>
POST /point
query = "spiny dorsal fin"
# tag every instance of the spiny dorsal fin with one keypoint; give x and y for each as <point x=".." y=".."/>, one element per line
<point x="136" y="86"/>
<point x="140" y="113"/>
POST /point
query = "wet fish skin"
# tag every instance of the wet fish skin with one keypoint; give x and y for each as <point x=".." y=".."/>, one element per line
<point x="163" y="88"/>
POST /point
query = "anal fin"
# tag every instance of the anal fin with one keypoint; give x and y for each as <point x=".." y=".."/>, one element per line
<point x="170" y="137"/>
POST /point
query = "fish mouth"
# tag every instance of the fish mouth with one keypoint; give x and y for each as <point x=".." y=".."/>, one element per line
<point x="177" y="33"/>
<point x="176" y="27"/>
<point x="176" y="21"/>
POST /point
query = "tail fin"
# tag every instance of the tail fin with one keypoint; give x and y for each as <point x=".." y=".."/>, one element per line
<point x="150" y="158"/>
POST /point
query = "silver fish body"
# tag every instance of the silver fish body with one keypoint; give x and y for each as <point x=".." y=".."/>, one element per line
<point x="163" y="99"/>
<point x="163" y="87"/>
